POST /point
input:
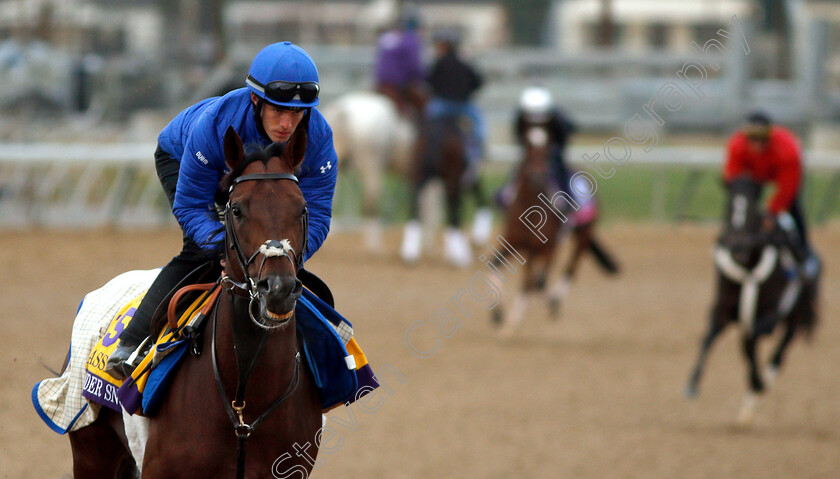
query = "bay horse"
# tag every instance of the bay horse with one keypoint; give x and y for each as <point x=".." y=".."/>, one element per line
<point x="759" y="287"/>
<point x="253" y="392"/>
<point x="533" y="179"/>
<point x="440" y="152"/>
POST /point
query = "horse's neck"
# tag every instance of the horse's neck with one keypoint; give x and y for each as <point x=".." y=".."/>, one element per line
<point x="533" y="178"/>
<point x="251" y="342"/>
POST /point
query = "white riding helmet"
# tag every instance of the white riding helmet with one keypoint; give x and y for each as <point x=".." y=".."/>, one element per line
<point x="536" y="103"/>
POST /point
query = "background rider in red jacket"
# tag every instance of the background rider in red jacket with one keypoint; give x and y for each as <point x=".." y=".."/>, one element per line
<point x="770" y="154"/>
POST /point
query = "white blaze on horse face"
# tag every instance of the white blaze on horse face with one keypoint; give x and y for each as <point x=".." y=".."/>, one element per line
<point x="739" y="211"/>
<point x="537" y="136"/>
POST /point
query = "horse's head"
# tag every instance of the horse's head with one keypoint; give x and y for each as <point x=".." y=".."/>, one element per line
<point x="266" y="225"/>
<point x="535" y="168"/>
<point x="742" y="233"/>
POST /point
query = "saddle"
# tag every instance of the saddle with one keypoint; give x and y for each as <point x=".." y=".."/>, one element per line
<point x="337" y="363"/>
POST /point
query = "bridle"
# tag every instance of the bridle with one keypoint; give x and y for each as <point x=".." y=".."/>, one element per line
<point x="270" y="248"/>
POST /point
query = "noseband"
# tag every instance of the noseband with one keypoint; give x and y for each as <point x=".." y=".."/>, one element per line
<point x="270" y="248"/>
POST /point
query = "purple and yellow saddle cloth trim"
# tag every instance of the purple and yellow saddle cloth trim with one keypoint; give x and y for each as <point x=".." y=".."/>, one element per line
<point x="102" y="388"/>
<point x="99" y="386"/>
<point x="338" y="364"/>
<point x="144" y="389"/>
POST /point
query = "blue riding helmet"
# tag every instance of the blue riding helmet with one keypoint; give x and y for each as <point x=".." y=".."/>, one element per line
<point x="283" y="74"/>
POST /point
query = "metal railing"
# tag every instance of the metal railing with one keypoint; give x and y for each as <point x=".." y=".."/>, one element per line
<point x="87" y="185"/>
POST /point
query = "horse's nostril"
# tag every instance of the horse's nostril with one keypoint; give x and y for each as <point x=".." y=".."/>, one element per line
<point x="278" y="286"/>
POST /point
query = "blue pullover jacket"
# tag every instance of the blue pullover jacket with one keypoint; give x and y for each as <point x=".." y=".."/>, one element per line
<point x="195" y="137"/>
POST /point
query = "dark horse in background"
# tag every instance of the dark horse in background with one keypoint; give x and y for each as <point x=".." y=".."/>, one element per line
<point x="759" y="287"/>
<point x="440" y="152"/>
<point x="251" y="390"/>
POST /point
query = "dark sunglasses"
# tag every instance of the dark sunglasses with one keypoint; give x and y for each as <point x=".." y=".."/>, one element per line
<point x="284" y="92"/>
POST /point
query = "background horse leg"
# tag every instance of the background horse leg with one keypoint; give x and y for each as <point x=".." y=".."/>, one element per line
<point x="451" y="167"/>
<point x="602" y="256"/>
<point x="482" y="226"/>
<point x="716" y="325"/>
<point x="535" y="270"/>
<point x="457" y="250"/>
<point x="778" y="357"/>
<point x="515" y="315"/>
<point x="412" y="241"/>
<point x="99" y="450"/>
<point x="496" y="314"/>
<point x="419" y="175"/>
<point x="747" y="411"/>
<point x="560" y="289"/>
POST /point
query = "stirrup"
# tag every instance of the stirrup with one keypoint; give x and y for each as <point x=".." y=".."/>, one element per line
<point x="122" y="368"/>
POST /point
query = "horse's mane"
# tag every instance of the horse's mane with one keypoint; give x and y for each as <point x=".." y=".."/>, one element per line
<point x="291" y="153"/>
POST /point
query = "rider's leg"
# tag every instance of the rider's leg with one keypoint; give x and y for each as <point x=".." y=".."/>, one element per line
<point x="190" y="257"/>
<point x="475" y="143"/>
<point x="799" y="221"/>
<point x="810" y="263"/>
<point x="561" y="171"/>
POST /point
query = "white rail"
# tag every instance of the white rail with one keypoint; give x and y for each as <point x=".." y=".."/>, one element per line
<point x="93" y="185"/>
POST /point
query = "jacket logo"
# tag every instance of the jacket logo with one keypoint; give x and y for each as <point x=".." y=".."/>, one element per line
<point x="327" y="167"/>
<point x="201" y="157"/>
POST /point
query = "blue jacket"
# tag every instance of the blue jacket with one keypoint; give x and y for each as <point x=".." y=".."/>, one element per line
<point x="195" y="137"/>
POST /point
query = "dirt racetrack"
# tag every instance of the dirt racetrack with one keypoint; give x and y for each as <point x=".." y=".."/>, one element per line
<point x="597" y="394"/>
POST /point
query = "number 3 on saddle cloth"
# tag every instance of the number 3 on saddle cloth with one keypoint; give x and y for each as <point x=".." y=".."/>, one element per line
<point x="338" y="364"/>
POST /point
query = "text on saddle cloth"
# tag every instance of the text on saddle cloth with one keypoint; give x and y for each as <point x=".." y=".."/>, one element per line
<point x="102" y="388"/>
<point x="337" y="362"/>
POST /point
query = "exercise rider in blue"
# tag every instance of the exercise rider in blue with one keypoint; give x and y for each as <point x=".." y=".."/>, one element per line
<point x="279" y="97"/>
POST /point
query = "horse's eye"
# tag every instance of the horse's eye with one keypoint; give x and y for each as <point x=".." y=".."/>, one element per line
<point x="236" y="210"/>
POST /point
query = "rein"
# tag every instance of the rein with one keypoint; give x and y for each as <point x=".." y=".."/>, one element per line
<point x="271" y="248"/>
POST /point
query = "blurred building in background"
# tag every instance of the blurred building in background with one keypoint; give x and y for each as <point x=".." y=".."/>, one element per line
<point x="79" y="73"/>
<point x="603" y="59"/>
<point x="639" y="25"/>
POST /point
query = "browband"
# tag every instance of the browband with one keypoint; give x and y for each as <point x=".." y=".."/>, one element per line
<point x="265" y="176"/>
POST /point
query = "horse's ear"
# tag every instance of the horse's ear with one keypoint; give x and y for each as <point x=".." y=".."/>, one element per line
<point x="296" y="148"/>
<point x="234" y="151"/>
